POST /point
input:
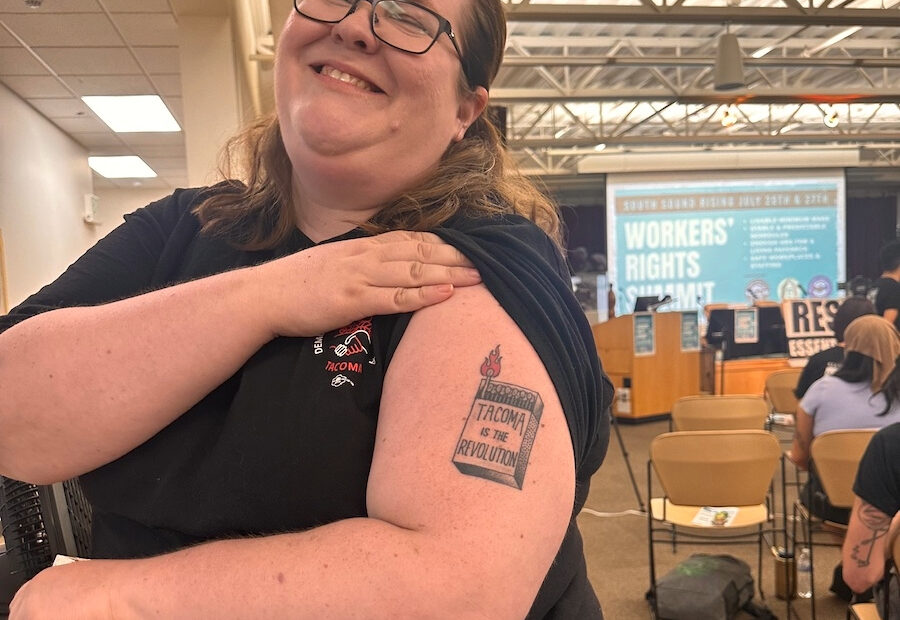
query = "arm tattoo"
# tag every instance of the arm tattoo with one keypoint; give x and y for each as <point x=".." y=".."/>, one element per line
<point x="878" y="523"/>
<point x="496" y="441"/>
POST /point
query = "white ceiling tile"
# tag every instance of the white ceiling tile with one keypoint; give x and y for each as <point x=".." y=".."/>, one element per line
<point x="148" y="28"/>
<point x="69" y="107"/>
<point x="89" y="60"/>
<point x="163" y="151"/>
<point x="138" y="6"/>
<point x="166" y="165"/>
<point x="99" y="182"/>
<point x="64" y="30"/>
<point x="7" y="40"/>
<point x="28" y="86"/>
<point x="110" y="85"/>
<point x="82" y="124"/>
<point x="105" y="143"/>
<point x="50" y="6"/>
<point x="137" y="140"/>
<point x="176" y="107"/>
<point x="17" y="61"/>
<point x="169" y="84"/>
<point x="159" y="59"/>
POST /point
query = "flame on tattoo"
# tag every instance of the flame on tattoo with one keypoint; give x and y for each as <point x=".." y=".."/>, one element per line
<point x="491" y="366"/>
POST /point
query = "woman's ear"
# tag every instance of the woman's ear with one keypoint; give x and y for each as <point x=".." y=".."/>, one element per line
<point x="470" y="108"/>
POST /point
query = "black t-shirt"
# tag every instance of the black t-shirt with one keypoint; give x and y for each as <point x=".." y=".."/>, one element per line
<point x="817" y="366"/>
<point x="878" y="476"/>
<point x="286" y="443"/>
<point x="888" y="297"/>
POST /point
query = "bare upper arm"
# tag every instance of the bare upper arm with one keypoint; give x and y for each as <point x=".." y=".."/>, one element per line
<point x="863" y="553"/>
<point x="473" y="451"/>
<point x="890" y="314"/>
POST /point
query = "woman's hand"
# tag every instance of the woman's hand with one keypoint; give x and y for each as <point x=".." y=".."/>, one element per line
<point x="331" y="285"/>
<point x="77" y="591"/>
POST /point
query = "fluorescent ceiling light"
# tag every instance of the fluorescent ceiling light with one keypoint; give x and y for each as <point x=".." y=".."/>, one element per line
<point x="762" y="51"/>
<point x="122" y="167"/>
<point x="835" y="39"/>
<point x="133" y="113"/>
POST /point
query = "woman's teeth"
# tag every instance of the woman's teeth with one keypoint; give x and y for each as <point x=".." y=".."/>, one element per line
<point x="346" y="78"/>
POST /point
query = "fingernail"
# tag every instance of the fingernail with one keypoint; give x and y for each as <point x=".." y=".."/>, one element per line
<point x="473" y="273"/>
<point x="444" y="289"/>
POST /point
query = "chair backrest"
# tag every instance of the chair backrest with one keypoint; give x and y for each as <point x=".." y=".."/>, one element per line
<point x="719" y="413"/>
<point x="715" y="468"/>
<point x="836" y="456"/>
<point x="780" y="389"/>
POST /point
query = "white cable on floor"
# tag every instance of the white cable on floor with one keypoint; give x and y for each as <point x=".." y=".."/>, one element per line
<point x="636" y="513"/>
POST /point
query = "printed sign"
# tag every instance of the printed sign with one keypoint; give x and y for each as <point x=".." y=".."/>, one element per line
<point x="690" y="331"/>
<point x="737" y="240"/>
<point x="644" y="333"/>
<point x="746" y="325"/>
<point x="809" y="325"/>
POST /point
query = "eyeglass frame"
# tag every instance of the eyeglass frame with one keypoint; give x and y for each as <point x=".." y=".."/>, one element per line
<point x="444" y="27"/>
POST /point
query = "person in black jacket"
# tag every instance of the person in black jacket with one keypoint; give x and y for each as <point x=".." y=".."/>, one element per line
<point x="826" y="362"/>
<point x="353" y="383"/>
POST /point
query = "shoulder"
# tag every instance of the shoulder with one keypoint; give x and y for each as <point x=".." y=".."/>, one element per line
<point x="517" y="238"/>
<point x="178" y="205"/>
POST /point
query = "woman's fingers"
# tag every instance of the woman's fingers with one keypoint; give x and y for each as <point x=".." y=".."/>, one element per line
<point x="423" y="247"/>
<point x="400" y="273"/>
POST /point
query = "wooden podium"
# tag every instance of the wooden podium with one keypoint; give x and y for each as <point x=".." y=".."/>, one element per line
<point x="657" y="380"/>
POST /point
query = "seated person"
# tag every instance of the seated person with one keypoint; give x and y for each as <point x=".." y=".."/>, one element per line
<point x="828" y="361"/>
<point x="874" y="514"/>
<point x="863" y="393"/>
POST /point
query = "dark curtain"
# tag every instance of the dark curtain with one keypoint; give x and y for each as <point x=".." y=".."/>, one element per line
<point x="871" y="222"/>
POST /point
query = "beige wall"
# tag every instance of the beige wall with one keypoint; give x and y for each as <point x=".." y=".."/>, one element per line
<point x="44" y="176"/>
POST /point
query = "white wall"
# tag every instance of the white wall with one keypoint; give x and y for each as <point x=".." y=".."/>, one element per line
<point x="44" y="176"/>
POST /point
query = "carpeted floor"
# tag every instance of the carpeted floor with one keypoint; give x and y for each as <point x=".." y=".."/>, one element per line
<point x="616" y="541"/>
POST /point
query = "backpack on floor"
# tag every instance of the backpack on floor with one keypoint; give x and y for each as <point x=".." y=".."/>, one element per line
<point x="707" y="587"/>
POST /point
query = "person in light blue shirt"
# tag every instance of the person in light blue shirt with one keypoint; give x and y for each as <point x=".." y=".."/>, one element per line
<point x="863" y="393"/>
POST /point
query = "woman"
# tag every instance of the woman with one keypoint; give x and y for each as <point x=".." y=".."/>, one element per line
<point x="863" y="393"/>
<point x="829" y="360"/>
<point x="302" y="420"/>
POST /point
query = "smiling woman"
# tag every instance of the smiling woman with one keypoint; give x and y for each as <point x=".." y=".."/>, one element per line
<point x="357" y="360"/>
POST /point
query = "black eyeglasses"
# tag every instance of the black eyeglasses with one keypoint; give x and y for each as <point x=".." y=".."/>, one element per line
<point x="406" y="26"/>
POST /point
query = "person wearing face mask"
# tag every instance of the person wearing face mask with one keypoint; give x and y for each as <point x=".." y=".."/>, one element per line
<point x="354" y="383"/>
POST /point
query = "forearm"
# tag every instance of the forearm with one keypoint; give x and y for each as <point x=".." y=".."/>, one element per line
<point x="358" y="568"/>
<point x="82" y="386"/>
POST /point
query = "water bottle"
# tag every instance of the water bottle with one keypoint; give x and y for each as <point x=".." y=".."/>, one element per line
<point x="804" y="574"/>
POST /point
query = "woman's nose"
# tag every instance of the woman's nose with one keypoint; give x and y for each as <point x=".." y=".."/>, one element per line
<point x="356" y="28"/>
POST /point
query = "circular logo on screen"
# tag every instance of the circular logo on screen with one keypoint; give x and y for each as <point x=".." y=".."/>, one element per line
<point x="790" y="288"/>
<point x="758" y="289"/>
<point x="820" y="286"/>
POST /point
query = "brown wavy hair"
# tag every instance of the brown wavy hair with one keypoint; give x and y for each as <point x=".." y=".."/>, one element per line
<point x="475" y="176"/>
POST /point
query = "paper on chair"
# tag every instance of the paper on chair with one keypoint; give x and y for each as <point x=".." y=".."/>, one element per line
<point x="715" y="516"/>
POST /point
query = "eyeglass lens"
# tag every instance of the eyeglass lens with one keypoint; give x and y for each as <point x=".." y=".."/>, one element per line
<point x="397" y="23"/>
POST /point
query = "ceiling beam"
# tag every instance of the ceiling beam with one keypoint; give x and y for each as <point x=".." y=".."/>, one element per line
<point x="606" y="14"/>
<point x="513" y="96"/>
<point x="708" y="139"/>
<point x="695" y="61"/>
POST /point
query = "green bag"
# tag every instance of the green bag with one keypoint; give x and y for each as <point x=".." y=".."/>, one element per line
<point x="704" y="587"/>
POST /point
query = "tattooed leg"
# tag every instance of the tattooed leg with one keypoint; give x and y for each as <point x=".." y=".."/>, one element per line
<point x="878" y="523"/>
<point x="496" y="441"/>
